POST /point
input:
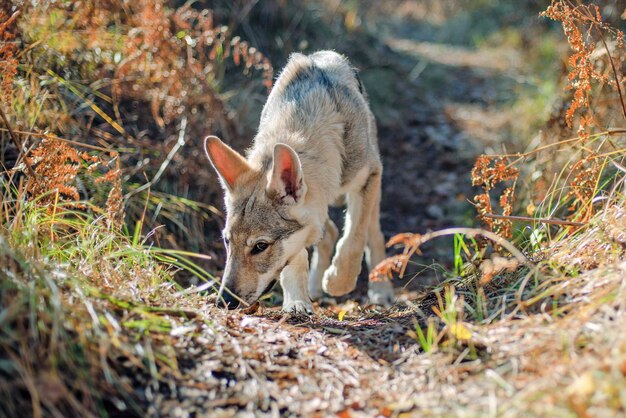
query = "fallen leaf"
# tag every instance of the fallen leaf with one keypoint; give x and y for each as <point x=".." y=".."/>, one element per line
<point x="386" y="412"/>
<point x="342" y="313"/>
<point x="344" y="414"/>
<point x="460" y="332"/>
<point x="334" y="330"/>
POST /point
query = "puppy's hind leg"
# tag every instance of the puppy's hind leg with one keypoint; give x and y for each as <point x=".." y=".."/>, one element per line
<point x="340" y="278"/>
<point x="293" y="281"/>
<point x="379" y="292"/>
<point x="320" y="260"/>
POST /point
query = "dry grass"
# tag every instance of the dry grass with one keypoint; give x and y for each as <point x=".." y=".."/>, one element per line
<point x="70" y="311"/>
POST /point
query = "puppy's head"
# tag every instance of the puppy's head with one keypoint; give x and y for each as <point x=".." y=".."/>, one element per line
<point x="263" y="231"/>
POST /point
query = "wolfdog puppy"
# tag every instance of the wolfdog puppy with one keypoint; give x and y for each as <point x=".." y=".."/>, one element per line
<point x="316" y="145"/>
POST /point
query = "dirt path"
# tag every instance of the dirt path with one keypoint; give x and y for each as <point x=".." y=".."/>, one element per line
<point x="267" y="365"/>
<point x="264" y="364"/>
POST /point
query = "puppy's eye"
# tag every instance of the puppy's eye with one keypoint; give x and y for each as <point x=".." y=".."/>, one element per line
<point x="226" y="241"/>
<point x="259" y="247"/>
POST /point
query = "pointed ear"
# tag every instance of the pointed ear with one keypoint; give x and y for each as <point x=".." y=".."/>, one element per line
<point x="227" y="162"/>
<point x="286" y="182"/>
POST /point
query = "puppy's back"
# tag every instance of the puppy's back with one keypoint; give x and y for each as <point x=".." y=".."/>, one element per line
<point x="323" y="71"/>
<point x="320" y="98"/>
<point x="338" y="68"/>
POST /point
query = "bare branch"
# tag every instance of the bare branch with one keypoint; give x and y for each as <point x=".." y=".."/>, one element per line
<point x="540" y="220"/>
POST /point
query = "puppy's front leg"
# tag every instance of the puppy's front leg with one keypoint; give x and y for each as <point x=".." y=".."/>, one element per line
<point x="293" y="279"/>
<point x="320" y="260"/>
<point x="340" y="278"/>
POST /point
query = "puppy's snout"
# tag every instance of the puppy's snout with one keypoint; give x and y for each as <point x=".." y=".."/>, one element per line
<point x="227" y="300"/>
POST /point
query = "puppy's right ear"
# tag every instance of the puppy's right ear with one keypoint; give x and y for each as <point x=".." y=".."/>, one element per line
<point x="227" y="162"/>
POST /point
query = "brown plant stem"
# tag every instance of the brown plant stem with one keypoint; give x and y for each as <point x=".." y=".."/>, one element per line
<point x="540" y="220"/>
<point x="617" y="83"/>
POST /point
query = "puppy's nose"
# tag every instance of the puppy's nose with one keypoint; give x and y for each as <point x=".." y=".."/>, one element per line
<point x="227" y="300"/>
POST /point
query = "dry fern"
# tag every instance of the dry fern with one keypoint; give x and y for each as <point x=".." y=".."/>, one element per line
<point x="488" y="172"/>
<point x="580" y="22"/>
<point x="8" y="62"/>
<point x="174" y="56"/>
<point x="56" y="165"/>
<point x="114" y="208"/>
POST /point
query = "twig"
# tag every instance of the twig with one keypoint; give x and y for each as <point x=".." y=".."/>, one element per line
<point x="17" y="144"/>
<point x="10" y="20"/>
<point x="540" y="220"/>
<point x="616" y="131"/>
<point x="181" y="141"/>
<point x="472" y="232"/>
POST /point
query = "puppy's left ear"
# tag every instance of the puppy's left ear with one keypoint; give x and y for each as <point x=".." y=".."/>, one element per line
<point x="286" y="183"/>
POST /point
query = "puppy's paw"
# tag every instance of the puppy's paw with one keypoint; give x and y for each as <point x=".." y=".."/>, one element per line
<point x="381" y="293"/>
<point x="298" y="307"/>
<point x="335" y="284"/>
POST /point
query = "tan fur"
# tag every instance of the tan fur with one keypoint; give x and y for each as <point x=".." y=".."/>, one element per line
<point x="316" y="145"/>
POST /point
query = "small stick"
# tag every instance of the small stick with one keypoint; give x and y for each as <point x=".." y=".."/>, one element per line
<point x="541" y="220"/>
<point x="616" y="131"/>
<point x="619" y="89"/>
<point x="472" y="232"/>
